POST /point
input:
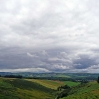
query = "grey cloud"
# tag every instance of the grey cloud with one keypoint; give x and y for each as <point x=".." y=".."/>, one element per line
<point x="47" y="35"/>
<point x="85" y="61"/>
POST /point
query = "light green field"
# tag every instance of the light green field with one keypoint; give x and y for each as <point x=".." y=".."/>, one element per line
<point x="70" y="83"/>
<point x="48" y="83"/>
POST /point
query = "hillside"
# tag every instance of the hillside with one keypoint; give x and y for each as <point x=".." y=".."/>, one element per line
<point x="52" y="84"/>
<point x="23" y="89"/>
<point x="13" y="88"/>
<point x="84" y="91"/>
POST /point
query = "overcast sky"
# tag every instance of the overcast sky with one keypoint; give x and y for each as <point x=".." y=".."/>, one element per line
<point x="49" y="36"/>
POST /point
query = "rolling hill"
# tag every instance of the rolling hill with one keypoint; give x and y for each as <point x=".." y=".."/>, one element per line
<point x="84" y="91"/>
<point x="14" y="88"/>
<point x="52" y="84"/>
<point x="23" y="89"/>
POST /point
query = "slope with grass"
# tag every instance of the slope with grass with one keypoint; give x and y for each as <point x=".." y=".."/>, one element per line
<point x="23" y="89"/>
<point x="84" y="91"/>
<point x="52" y="84"/>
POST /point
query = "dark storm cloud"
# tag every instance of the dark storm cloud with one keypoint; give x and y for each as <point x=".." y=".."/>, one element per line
<point x="84" y="62"/>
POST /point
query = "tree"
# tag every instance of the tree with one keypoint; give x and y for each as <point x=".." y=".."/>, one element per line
<point x="98" y="79"/>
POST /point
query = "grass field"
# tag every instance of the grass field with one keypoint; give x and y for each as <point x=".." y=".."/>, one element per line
<point x="52" y="84"/>
<point x="22" y="89"/>
<point x="85" y="91"/>
<point x="71" y="84"/>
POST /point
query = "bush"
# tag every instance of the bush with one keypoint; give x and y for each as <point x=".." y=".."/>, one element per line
<point x="98" y="79"/>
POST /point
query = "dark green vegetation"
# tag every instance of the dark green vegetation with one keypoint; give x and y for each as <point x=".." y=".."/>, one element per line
<point x="23" y="89"/>
<point x="98" y="80"/>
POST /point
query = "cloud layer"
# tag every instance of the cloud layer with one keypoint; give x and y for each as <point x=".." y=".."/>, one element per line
<point x="49" y="35"/>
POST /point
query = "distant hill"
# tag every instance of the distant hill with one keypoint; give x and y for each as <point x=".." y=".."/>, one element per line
<point x="56" y="76"/>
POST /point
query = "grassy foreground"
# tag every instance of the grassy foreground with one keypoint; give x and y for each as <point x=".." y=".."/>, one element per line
<point x="23" y="89"/>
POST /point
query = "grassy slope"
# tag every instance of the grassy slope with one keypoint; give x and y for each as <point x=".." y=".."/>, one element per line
<point x="48" y="83"/>
<point x="88" y="91"/>
<point x="22" y="89"/>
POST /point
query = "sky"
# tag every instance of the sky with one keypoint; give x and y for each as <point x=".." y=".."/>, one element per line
<point x="49" y="36"/>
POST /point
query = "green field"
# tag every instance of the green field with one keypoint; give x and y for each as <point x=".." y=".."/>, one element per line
<point x="23" y="89"/>
<point x="84" y="91"/>
<point x="71" y="84"/>
<point x="52" y="84"/>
